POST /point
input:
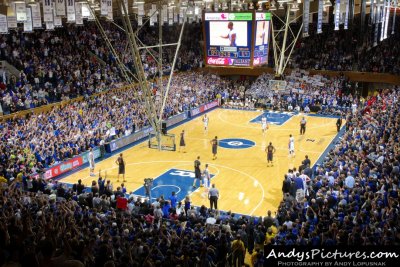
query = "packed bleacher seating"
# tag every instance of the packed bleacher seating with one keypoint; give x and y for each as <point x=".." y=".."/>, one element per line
<point x="350" y="199"/>
<point x="74" y="61"/>
<point x="44" y="139"/>
<point x="347" y="50"/>
<point x="304" y="92"/>
<point x="353" y="196"/>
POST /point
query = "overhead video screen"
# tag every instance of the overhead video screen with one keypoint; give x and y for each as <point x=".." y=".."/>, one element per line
<point x="263" y="26"/>
<point x="228" y="38"/>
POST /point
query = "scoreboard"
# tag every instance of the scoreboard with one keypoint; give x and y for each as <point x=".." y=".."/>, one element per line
<point x="231" y="39"/>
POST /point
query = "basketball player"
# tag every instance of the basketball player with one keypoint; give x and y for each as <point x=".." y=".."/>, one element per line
<point x="270" y="153"/>
<point x="264" y="124"/>
<point x="91" y="162"/>
<point x="205" y="121"/>
<point x="231" y="35"/>
<point x="182" y="144"/>
<point x="214" y="146"/>
<point x="197" y="172"/>
<point x="206" y="180"/>
<point x="121" y="167"/>
<point x="291" y="146"/>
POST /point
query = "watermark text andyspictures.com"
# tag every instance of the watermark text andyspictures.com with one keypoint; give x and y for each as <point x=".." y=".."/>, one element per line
<point x="330" y="254"/>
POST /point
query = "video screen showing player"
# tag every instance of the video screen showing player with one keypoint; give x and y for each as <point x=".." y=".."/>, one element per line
<point x="262" y="32"/>
<point x="228" y="33"/>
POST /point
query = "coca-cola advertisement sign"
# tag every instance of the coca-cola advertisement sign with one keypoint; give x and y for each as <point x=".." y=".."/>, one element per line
<point x="218" y="61"/>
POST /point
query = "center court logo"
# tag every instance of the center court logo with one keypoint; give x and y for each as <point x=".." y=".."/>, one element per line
<point x="236" y="143"/>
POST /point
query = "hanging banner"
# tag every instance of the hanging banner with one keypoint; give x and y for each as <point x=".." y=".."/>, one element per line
<point x="78" y="13"/>
<point x="337" y="15"/>
<point x="56" y="19"/>
<point x="386" y="19"/>
<point x="70" y="11"/>
<point x="140" y="20"/>
<point x="110" y="15"/>
<point x="363" y="10"/>
<point x="47" y="11"/>
<point x="50" y="26"/>
<point x="383" y="17"/>
<point x="376" y="25"/>
<point x="60" y="8"/>
<point x="103" y="8"/>
<point x="85" y="10"/>
<point x="319" y="22"/>
<point x="141" y="9"/>
<point x="36" y="16"/>
<point x="394" y="16"/>
<point x="3" y="24"/>
<point x="20" y="10"/>
<point x="306" y="17"/>
<point x="170" y="16"/>
<point x="372" y="12"/>
<point x="346" y="17"/>
<point x="28" y="23"/>
<point x="124" y="3"/>
<point x="164" y="14"/>
<point x="176" y="16"/>
<point x="11" y="17"/>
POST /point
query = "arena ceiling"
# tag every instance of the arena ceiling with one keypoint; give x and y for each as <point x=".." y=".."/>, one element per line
<point x="237" y="5"/>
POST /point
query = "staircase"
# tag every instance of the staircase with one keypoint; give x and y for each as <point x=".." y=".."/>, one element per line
<point x="7" y="70"/>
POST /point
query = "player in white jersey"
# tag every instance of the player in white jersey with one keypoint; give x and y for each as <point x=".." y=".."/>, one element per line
<point x="206" y="181"/>
<point x="205" y="122"/>
<point x="91" y="162"/>
<point x="291" y="146"/>
<point x="264" y="124"/>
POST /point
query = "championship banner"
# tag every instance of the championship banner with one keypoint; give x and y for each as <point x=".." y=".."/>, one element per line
<point x="103" y="8"/>
<point x="170" y="16"/>
<point x="20" y="10"/>
<point x="337" y="15"/>
<point x="28" y="23"/>
<point x="306" y="17"/>
<point x="47" y="11"/>
<point x="164" y="14"/>
<point x="376" y="25"/>
<point x="11" y="17"/>
<point x="56" y="19"/>
<point x="70" y="11"/>
<point x="60" y="8"/>
<point x="78" y="13"/>
<point x="388" y="4"/>
<point x="141" y="9"/>
<point x="140" y="20"/>
<point x="110" y="15"/>
<point x="124" y="3"/>
<point x="36" y="16"/>
<point x="372" y="12"/>
<point x="383" y="19"/>
<point x="50" y="26"/>
<point x="319" y="22"/>
<point x="3" y="24"/>
<point x="363" y="10"/>
<point x="176" y="16"/>
<point x="216" y="5"/>
<point x="394" y="16"/>
<point x="346" y="18"/>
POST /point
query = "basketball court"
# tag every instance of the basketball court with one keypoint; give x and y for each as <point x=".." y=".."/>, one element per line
<point x="245" y="182"/>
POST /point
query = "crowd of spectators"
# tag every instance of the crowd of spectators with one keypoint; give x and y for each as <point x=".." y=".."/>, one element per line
<point x="44" y="139"/>
<point x="353" y="196"/>
<point x="350" y="199"/>
<point x="74" y="61"/>
<point x="347" y="50"/>
<point x="302" y="92"/>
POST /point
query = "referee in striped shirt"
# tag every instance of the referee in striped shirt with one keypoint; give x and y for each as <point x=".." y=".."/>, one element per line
<point x="213" y="196"/>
